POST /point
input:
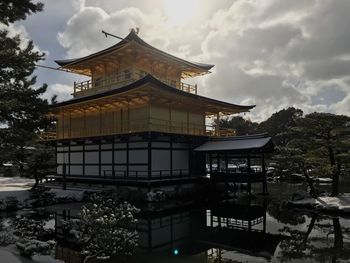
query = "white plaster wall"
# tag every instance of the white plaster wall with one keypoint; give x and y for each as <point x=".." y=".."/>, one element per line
<point x="180" y="159"/>
<point x="76" y="170"/>
<point x="76" y="148"/>
<point x="91" y="157"/>
<point x="106" y="146"/>
<point x="60" y="158"/>
<point x="138" y="156"/>
<point x="160" y="159"/>
<point x="91" y="170"/>
<point x="106" y="157"/>
<point x="76" y="157"/>
<point x="120" y="157"/>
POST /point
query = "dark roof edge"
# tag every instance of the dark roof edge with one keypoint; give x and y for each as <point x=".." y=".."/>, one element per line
<point x="147" y="79"/>
<point x="242" y="137"/>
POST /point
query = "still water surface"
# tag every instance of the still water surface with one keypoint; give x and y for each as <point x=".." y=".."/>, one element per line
<point x="241" y="230"/>
<point x="236" y="230"/>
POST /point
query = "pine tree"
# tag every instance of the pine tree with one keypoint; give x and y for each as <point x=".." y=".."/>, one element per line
<point x="13" y="10"/>
<point x="22" y="110"/>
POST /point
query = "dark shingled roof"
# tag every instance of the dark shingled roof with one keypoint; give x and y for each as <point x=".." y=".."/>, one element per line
<point x="158" y="85"/>
<point x="237" y="143"/>
<point x="132" y="37"/>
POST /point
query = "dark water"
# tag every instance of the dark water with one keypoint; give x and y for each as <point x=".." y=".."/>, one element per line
<point x="240" y="230"/>
<point x="236" y="230"/>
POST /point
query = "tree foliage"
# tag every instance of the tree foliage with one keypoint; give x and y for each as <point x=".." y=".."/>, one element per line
<point x="327" y="138"/>
<point x="13" y="10"/>
<point x="318" y="144"/>
<point x="279" y="124"/>
<point x="22" y="110"/>
<point x="242" y="126"/>
<point x="40" y="161"/>
<point x="105" y="228"/>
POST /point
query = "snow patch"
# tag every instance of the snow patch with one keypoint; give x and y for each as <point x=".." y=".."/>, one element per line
<point x="328" y="203"/>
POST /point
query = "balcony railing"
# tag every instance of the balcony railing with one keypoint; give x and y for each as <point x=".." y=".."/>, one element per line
<point x="122" y="79"/>
<point x="151" y="124"/>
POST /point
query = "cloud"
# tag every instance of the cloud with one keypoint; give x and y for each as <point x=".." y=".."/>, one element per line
<point x="279" y="54"/>
<point x="63" y="92"/>
<point x="272" y="53"/>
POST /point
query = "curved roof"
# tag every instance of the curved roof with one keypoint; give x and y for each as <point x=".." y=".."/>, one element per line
<point x="132" y="37"/>
<point x="157" y="84"/>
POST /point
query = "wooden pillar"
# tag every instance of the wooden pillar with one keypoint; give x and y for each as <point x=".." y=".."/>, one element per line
<point x="210" y="163"/>
<point x="99" y="158"/>
<point x="217" y="130"/>
<point x="84" y="158"/>
<point x="127" y="157"/>
<point x="226" y="162"/>
<point x="218" y="162"/>
<point x="70" y="125"/>
<point x="100" y="119"/>
<point x="84" y="120"/>
<point x="188" y="123"/>
<point x="263" y="166"/>
<point x="190" y="156"/>
<point x="149" y="156"/>
<point x="171" y="155"/>
<point x="170" y="124"/>
<point x="69" y="162"/>
<point x="63" y="127"/>
<point x="113" y="153"/>
<point x="128" y="121"/>
<point x="249" y="186"/>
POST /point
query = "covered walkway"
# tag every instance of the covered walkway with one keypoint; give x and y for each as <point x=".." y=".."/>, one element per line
<point x="239" y="159"/>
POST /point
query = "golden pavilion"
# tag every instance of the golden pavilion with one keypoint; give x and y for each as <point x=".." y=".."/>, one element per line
<point x="135" y="122"/>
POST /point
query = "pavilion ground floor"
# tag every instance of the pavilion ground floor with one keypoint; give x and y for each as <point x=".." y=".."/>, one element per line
<point x="160" y="160"/>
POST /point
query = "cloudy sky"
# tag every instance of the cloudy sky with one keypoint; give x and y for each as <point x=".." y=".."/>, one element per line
<point x="272" y="53"/>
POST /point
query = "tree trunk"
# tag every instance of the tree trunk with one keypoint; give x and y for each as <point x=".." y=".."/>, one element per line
<point x="35" y="184"/>
<point x="313" y="191"/>
<point x="338" y="239"/>
<point x="335" y="171"/>
<point x="336" y="174"/>
<point x="309" y="229"/>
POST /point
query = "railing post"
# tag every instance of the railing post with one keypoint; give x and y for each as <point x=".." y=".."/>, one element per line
<point x="195" y="89"/>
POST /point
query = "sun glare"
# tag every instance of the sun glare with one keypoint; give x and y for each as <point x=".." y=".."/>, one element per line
<point x="180" y="12"/>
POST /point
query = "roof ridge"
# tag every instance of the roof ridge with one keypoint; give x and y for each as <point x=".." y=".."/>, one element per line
<point x="242" y="137"/>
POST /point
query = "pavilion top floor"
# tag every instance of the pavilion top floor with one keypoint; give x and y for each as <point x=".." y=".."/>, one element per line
<point x="130" y="60"/>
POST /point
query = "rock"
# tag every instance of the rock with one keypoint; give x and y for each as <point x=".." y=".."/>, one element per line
<point x="300" y="195"/>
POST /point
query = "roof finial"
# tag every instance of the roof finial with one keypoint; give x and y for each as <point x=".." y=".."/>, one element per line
<point x="136" y="30"/>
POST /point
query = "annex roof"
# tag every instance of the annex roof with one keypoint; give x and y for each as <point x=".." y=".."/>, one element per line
<point x="131" y="38"/>
<point x="161" y="88"/>
<point x="261" y="142"/>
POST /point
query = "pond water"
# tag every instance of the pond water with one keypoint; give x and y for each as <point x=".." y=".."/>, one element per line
<point x="237" y="230"/>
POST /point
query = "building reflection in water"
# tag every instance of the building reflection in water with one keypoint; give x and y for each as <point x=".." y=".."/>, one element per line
<point x="189" y="234"/>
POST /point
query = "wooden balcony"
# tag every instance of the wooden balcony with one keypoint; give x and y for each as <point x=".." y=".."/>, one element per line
<point x="120" y="80"/>
<point x="142" y="125"/>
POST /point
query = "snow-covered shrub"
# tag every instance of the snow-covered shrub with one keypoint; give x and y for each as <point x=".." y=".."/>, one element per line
<point x="7" y="238"/>
<point x="29" y="247"/>
<point x="32" y="236"/>
<point x="106" y="227"/>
